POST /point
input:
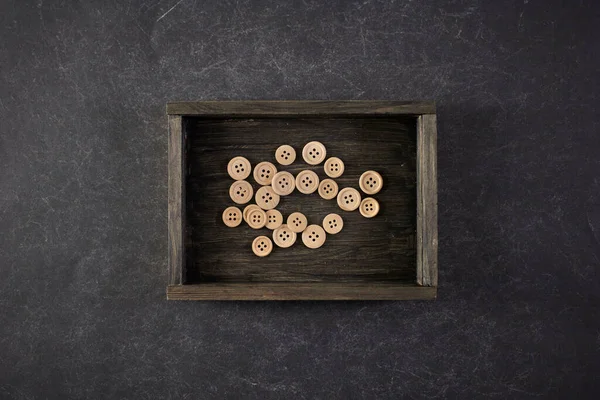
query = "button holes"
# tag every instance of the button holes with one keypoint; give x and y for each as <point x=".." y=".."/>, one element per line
<point x="242" y="169"/>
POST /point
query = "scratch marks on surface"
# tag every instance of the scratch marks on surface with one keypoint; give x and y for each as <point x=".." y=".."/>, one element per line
<point x="169" y="10"/>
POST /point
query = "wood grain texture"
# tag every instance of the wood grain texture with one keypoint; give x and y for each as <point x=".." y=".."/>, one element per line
<point x="427" y="231"/>
<point x="299" y="108"/>
<point x="300" y="291"/>
<point x="176" y="196"/>
<point x="381" y="249"/>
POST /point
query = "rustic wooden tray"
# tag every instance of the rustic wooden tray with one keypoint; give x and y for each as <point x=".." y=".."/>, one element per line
<point x="390" y="257"/>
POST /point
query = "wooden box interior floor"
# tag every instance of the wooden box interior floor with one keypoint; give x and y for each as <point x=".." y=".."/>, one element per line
<point x="381" y="249"/>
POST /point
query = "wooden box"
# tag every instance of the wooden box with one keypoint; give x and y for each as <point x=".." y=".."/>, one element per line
<point x="390" y="257"/>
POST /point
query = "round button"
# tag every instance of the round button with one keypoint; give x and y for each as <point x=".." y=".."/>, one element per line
<point x="369" y="207"/>
<point x="328" y="189"/>
<point x="307" y="182"/>
<point x="313" y="236"/>
<point x="262" y="246"/>
<point x="283" y="236"/>
<point x="239" y="168"/>
<point x="283" y="183"/>
<point x="370" y="182"/>
<point x="297" y="222"/>
<point x="247" y="210"/>
<point x="256" y="218"/>
<point x="232" y="217"/>
<point x="264" y="172"/>
<point x="333" y="223"/>
<point x="241" y="192"/>
<point x="334" y="167"/>
<point x="266" y="198"/>
<point x="285" y="155"/>
<point x="348" y="199"/>
<point x="274" y="219"/>
<point x="314" y="153"/>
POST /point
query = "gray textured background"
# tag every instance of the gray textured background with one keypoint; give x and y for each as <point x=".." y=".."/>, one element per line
<point x="83" y="199"/>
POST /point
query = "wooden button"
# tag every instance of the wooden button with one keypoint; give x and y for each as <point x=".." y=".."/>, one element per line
<point x="274" y="219"/>
<point x="283" y="236"/>
<point x="369" y="207"/>
<point x="370" y="182"/>
<point x="283" y="183"/>
<point x="264" y="173"/>
<point x="285" y="155"/>
<point x="314" y="153"/>
<point x="266" y="198"/>
<point x="239" y="168"/>
<point x="297" y="222"/>
<point x="313" y="236"/>
<point x="241" y="192"/>
<point x="334" y="167"/>
<point x="262" y="246"/>
<point x="256" y="218"/>
<point x="307" y="181"/>
<point x="247" y="210"/>
<point x="328" y="189"/>
<point x="232" y="216"/>
<point x="333" y="223"/>
<point x="348" y="199"/>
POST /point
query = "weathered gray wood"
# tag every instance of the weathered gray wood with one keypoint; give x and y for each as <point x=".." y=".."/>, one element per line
<point x="300" y="291"/>
<point x="299" y="108"/>
<point x="176" y="195"/>
<point x="427" y="232"/>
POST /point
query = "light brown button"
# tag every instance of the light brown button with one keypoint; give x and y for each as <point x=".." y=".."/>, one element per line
<point x="333" y="223"/>
<point x="264" y="173"/>
<point x="266" y="198"/>
<point x="314" y="153"/>
<point x="348" y="199"/>
<point x="369" y="207"/>
<point x="334" y="167"/>
<point x="328" y="189"/>
<point x="262" y="246"/>
<point x="307" y="181"/>
<point x="274" y="219"/>
<point x="232" y="216"/>
<point x="241" y="192"/>
<point x="313" y="236"/>
<point x="256" y="218"/>
<point x="247" y="210"/>
<point x="370" y="182"/>
<point x="297" y="222"/>
<point x="285" y="155"/>
<point x="283" y="183"/>
<point x="239" y="168"/>
<point x="283" y="236"/>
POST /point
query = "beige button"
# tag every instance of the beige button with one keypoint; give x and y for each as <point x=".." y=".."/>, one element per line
<point x="297" y="222"/>
<point x="283" y="236"/>
<point x="333" y="223"/>
<point x="369" y="207"/>
<point x="285" y="155"/>
<point x="313" y="236"/>
<point x="232" y="216"/>
<point x="348" y="199"/>
<point x="370" y="182"/>
<point x="328" y="189"/>
<point x="334" y="167"/>
<point x="256" y="218"/>
<point x="241" y="192"/>
<point x="266" y="198"/>
<point x="264" y="173"/>
<point x="274" y="219"/>
<point x="314" y="153"/>
<point x="283" y="183"/>
<point x="247" y="210"/>
<point x="239" y="168"/>
<point x="307" y="181"/>
<point x="262" y="246"/>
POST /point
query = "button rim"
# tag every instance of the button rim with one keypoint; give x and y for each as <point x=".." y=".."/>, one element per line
<point x="294" y="236"/>
<point x="269" y="242"/>
<point x="305" y="238"/>
<point x="339" y="200"/>
<point x="316" y="178"/>
<point x="305" y="152"/>
<point x="363" y="186"/>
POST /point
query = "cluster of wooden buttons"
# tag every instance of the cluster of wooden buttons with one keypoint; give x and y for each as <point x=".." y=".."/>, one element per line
<point x="274" y="184"/>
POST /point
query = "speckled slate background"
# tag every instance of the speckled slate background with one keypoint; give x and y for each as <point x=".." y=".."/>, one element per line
<point x="83" y="199"/>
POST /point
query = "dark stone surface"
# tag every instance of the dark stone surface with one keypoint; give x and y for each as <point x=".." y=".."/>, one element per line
<point x="83" y="199"/>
